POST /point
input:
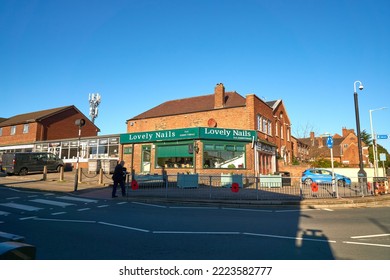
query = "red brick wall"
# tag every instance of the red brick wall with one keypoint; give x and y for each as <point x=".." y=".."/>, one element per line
<point x="225" y="118"/>
<point x="244" y="117"/>
<point x="59" y="126"/>
<point x="62" y="126"/>
<point x="19" y="137"/>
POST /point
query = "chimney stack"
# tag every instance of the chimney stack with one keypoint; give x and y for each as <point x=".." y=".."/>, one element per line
<point x="219" y="96"/>
<point x="312" y="138"/>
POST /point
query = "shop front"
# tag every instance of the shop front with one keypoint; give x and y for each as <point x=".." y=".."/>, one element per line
<point x="191" y="150"/>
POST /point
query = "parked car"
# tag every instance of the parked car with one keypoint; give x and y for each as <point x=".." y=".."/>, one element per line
<point x="323" y="176"/>
<point x="23" y="163"/>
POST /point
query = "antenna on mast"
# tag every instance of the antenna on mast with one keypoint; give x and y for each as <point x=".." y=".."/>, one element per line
<point x="94" y="101"/>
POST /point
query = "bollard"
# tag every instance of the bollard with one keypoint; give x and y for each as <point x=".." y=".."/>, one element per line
<point x="62" y="173"/>
<point x="80" y="173"/>
<point x="44" y="173"/>
<point x="101" y="172"/>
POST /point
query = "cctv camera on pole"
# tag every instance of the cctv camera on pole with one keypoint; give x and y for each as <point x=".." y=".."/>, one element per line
<point x="80" y="123"/>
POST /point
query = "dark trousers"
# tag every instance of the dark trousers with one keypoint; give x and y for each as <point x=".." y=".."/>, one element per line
<point x="122" y="184"/>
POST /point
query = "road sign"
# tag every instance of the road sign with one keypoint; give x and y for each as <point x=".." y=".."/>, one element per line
<point x="382" y="136"/>
<point x="382" y="157"/>
<point x="329" y="142"/>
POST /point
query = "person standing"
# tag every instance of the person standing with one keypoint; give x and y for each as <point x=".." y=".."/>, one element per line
<point x="119" y="177"/>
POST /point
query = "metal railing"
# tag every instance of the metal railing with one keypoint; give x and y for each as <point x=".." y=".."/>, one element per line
<point x="219" y="187"/>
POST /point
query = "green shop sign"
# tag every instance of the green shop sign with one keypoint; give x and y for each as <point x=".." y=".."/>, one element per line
<point x="227" y="134"/>
<point x="188" y="133"/>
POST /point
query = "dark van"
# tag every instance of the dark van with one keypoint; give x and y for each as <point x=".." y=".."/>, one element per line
<point x="23" y="163"/>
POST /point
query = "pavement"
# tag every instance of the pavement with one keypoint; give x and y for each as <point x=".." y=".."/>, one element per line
<point x="90" y="187"/>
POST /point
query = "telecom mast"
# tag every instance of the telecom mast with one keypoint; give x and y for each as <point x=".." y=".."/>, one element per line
<point x="94" y="101"/>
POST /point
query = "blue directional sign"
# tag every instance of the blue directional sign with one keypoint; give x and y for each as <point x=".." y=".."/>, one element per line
<point x="329" y="142"/>
<point x="382" y="136"/>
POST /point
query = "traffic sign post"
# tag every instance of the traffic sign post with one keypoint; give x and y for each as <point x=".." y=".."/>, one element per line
<point x="329" y="143"/>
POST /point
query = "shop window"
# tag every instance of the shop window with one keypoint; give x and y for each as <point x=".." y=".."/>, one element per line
<point x="224" y="156"/>
<point x="175" y="156"/>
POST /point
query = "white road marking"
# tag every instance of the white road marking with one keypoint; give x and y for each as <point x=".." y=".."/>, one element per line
<point x="192" y="207"/>
<point x="52" y="202"/>
<point x="58" y="213"/>
<point x="370" y="236"/>
<point x="27" y="218"/>
<point x="147" y="204"/>
<point x="2" y="213"/>
<point x="103" y="206"/>
<point x="21" y="206"/>
<point x="197" y="232"/>
<point x="83" y="209"/>
<point x="247" y="210"/>
<point x="289" y="237"/>
<point x="366" y="244"/>
<point x="79" y="199"/>
<point x="295" y="210"/>
<point x="120" y="203"/>
<point x="12" y="198"/>
<point x="67" y="221"/>
<point x="125" y="227"/>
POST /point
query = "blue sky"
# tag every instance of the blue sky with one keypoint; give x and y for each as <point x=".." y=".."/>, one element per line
<point x="138" y="54"/>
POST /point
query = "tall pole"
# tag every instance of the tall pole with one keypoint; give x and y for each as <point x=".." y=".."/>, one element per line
<point x="374" y="142"/>
<point x="373" y="145"/>
<point x="362" y="175"/>
<point x="80" y="123"/>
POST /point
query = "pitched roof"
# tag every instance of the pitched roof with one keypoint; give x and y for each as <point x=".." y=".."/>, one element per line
<point x="273" y="104"/>
<point x="33" y="116"/>
<point x="191" y="105"/>
<point x="317" y="150"/>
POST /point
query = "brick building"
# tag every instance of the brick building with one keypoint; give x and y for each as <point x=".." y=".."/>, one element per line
<point x="214" y="133"/>
<point x="20" y="132"/>
<point x="345" y="148"/>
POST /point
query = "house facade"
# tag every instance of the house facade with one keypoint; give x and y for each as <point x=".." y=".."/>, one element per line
<point x="345" y="148"/>
<point x="22" y="132"/>
<point x="221" y="132"/>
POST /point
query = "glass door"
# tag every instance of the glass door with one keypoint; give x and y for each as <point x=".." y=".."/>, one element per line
<point x="146" y="158"/>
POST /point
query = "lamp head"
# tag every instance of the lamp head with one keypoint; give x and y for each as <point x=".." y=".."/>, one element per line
<point x="361" y="87"/>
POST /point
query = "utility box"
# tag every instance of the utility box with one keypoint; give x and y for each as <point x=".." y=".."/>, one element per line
<point x="94" y="165"/>
<point x="109" y="165"/>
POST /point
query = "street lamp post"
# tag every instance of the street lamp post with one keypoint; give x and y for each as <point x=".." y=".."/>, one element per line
<point x="374" y="145"/>
<point x="362" y="175"/>
<point x="80" y="123"/>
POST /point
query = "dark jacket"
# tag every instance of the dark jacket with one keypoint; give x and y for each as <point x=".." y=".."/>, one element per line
<point x="119" y="173"/>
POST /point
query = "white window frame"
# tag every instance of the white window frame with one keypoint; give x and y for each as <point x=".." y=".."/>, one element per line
<point x="26" y="128"/>
<point x="259" y="122"/>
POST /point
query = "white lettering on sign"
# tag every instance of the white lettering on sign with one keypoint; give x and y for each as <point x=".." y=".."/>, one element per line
<point x="222" y="132"/>
<point x="144" y="136"/>
<point x="241" y="133"/>
<point x="165" y="134"/>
